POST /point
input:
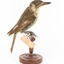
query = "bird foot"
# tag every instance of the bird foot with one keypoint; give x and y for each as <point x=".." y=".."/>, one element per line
<point x="30" y="34"/>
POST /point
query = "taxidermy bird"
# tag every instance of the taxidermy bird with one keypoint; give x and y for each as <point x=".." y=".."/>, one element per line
<point x="27" y="19"/>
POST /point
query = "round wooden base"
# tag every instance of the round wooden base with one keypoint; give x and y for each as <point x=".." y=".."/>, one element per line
<point x="30" y="58"/>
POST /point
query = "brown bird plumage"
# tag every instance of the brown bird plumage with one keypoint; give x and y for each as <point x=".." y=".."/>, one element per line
<point x="27" y="19"/>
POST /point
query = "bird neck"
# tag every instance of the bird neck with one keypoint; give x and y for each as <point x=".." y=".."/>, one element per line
<point x="33" y="8"/>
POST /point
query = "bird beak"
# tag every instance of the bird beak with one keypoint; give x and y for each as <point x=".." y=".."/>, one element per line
<point x="46" y="3"/>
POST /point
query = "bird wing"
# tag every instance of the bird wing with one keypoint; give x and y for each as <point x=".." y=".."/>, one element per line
<point x="26" y="19"/>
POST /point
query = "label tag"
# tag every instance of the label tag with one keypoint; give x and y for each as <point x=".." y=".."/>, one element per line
<point x="28" y="42"/>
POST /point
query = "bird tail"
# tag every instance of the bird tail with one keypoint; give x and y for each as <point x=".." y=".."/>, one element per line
<point x="13" y="42"/>
<point x="10" y="32"/>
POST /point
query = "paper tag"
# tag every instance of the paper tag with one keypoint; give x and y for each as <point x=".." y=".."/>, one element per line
<point x="27" y="42"/>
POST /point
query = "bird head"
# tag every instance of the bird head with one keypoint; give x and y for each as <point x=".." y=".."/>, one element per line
<point x="39" y="3"/>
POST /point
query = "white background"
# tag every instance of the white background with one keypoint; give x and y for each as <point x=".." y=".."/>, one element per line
<point x="49" y="29"/>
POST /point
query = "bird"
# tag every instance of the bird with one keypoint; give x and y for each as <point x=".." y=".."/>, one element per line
<point x="27" y="19"/>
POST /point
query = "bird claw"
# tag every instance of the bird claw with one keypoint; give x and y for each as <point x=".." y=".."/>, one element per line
<point x="30" y="34"/>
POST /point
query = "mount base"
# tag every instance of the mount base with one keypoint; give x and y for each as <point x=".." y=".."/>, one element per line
<point x="30" y="58"/>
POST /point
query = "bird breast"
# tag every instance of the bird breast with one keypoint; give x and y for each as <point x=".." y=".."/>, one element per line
<point x="36" y="15"/>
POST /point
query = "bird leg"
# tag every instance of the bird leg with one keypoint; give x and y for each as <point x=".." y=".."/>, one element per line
<point x="30" y="34"/>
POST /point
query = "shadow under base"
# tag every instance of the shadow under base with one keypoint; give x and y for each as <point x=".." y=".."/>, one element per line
<point x="30" y="58"/>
